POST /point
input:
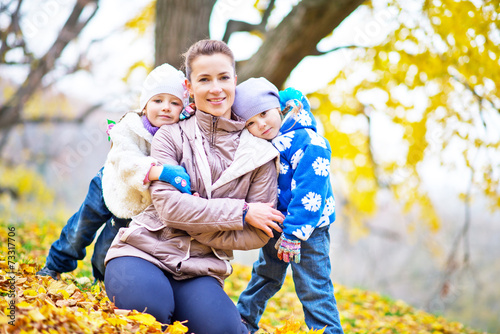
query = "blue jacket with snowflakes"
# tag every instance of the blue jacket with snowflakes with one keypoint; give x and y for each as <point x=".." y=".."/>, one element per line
<point x="305" y="193"/>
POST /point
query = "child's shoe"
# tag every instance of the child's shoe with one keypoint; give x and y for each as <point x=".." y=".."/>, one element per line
<point x="49" y="272"/>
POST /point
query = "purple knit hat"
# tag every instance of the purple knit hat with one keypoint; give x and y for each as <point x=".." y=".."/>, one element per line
<point x="254" y="96"/>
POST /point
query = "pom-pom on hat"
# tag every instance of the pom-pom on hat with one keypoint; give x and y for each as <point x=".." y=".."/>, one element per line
<point x="164" y="79"/>
<point x="254" y="96"/>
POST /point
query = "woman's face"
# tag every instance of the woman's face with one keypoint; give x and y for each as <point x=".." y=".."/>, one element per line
<point x="213" y="84"/>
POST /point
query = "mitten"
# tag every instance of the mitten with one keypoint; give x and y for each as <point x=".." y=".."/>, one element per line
<point x="293" y="94"/>
<point x="176" y="176"/>
<point x="288" y="250"/>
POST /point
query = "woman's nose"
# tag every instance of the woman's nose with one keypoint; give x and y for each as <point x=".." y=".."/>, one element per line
<point x="216" y="88"/>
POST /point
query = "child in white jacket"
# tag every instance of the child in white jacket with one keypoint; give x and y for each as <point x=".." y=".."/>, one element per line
<point x="120" y="189"/>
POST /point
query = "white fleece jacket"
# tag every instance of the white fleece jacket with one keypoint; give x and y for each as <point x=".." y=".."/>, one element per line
<point x="126" y="166"/>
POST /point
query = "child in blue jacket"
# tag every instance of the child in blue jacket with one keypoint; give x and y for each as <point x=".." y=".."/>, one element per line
<point x="305" y="197"/>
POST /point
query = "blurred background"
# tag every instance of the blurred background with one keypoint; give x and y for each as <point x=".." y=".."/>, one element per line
<point x="406" y="92"/>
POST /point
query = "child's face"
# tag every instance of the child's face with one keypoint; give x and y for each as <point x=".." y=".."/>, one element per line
<point x="265" y="125"/>
<point x="213" y="84"/>
<point x="163" y="109"/>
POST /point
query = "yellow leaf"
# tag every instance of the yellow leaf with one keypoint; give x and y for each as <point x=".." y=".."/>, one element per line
<point x="36" y="315"/>
<point x="30" y="293"/>
<point x="24" y="305"/>
<point x="143" y="318"/>
<point x="177" y="328"/>
<point x="116" y="321"/>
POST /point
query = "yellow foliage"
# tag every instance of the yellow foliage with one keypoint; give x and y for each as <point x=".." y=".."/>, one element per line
<point x="66" y="306"/>
<point x="143" y="20"/>
<point x="28" y="197"/>
<point x="437" y="80"/>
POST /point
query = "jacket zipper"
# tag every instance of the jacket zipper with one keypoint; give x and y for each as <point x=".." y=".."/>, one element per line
<point x="212" y="141"/>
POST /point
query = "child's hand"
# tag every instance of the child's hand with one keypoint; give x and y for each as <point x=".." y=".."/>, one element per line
<point x="288" y="250"/>
<point x="293" y="94"/>
<point x="176" y="176"/>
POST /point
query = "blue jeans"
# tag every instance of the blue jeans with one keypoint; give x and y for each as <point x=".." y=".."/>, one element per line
<point x="312" y="283"/>
<point x="80" y="231"/>
<point x="133" y="283"/>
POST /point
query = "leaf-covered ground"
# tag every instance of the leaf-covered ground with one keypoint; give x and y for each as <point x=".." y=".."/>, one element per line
<point x="75" y="304"/>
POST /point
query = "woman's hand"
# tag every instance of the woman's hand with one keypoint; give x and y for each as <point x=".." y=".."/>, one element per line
<point x="264" y="217"/>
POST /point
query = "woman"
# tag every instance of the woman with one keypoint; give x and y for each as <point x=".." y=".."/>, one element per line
<point x="174" y="257"/>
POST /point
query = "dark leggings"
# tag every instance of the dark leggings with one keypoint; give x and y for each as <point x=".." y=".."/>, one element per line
<point x="136" y="284"/>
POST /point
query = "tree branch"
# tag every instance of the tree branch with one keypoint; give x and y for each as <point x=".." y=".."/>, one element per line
<point x="12" y="28"/>
<point x="452" y="265"/>
<point x="477" y="96"/>
<point x="233" y="26"/>
<point x="296" y="37"/>
<point x="10" y="113"/>
<point x="337" y="48"/>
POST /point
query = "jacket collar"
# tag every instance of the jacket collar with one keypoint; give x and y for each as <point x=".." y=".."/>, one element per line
<point x="209" y="124"/>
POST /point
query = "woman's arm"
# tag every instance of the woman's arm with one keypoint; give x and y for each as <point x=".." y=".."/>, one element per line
<point x="184" y="211"/>
<point x="259" y="220"/>
<point x="190" y="213"/>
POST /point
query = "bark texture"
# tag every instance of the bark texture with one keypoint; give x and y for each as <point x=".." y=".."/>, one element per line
<point x="180" y="23"/>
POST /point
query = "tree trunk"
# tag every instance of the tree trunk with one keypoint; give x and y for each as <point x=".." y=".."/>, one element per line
<point x="180" y="23"/>
<point x="295" y="38"/>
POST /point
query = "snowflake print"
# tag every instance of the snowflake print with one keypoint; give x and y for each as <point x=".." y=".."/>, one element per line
<point x="324" y="221"/>
<point x="316" y="139"/>
<point x="329" y="206"/>
<point x="283" y="168"/>
<point x="311" y="201"/>
<point x="303" y="118"/>
<point x="321" y="166"/>
<point x="293" y="185"/>
<point x="327" y="212"/>
<point x="296" y="158"/>
<point x="304" y="232"/>
<point x="284" y="141"/>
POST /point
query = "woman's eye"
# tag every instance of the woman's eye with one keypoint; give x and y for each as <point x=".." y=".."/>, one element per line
<point x="226" y="77"/>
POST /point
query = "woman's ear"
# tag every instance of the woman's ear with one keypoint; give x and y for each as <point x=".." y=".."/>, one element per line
<point x="189" y="87"/>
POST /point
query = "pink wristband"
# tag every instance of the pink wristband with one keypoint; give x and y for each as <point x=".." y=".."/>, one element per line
<point x="146" y="179"/>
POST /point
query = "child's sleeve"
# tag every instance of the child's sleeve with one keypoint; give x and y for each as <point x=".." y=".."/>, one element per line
<point x="309" y="188"/>
<point x="129" y="162"/>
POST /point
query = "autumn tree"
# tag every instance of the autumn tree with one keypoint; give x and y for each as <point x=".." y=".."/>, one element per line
<point x="13" y="41"/>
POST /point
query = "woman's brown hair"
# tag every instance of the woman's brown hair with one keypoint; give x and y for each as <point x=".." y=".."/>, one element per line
<point x="205" y="47"/>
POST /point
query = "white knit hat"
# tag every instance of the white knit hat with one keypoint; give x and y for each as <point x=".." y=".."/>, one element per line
<point x="164" y="79"/>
